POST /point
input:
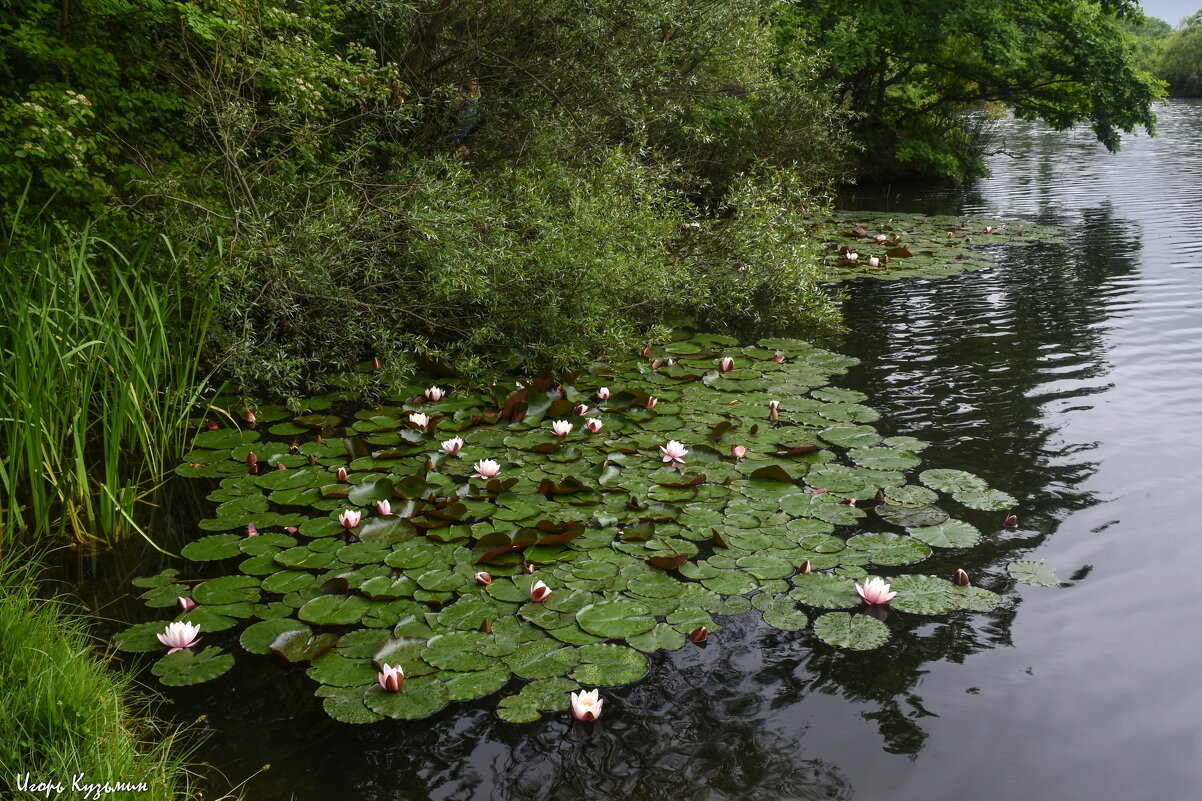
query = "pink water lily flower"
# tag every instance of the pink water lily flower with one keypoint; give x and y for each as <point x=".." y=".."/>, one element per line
<point x="341" y="475"/>
<point x="483" y="578"/>
<point x="738" y="451"/>
<point x="384" y="508"/>
<point x="391" y="678"/>
<point x="586" y="705"/>
<point x="1011" y="521"/>
<point x="418" y="419"/>
<point x="989" y="229"/>
<point x="452" y="446"/>
<point x="539" y="592"/>
<point x="580" y="409"/>
<point x="961" y="578"/>
<point x="594" y="425"/>
<point x="875" y="591"/>
<point x="186" y="604"/>
<point x="603" y="393"/>
<point x="561" y="428"/>
<point x="179" y="635"/>
<point x="434" y="394"/>
<point x="727" y="364"/>
<point x="650" y="402"/>
<point x="881" y="237"/>
<point x="674" y="452"/>
<point x="350" y="518"/>
<point x="851" y="255"/>
<point x="874" y="262"/>
<point x="486" y="468"/>
<point x="807" y="566"/>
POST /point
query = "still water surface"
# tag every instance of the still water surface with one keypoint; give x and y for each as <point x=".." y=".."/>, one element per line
<point x="1070" y="375"/>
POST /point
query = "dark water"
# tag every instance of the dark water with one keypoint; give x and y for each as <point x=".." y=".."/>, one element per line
<point x="1071" y="376"/>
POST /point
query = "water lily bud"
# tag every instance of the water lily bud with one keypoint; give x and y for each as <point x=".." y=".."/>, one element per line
<point x="483" y="578"/>
<point x="251" y="531"/>
<point x="341" y="475"/>
<point x="384" y="508"/>
<point x="250" y="417"/>
<point x="291" y="530"/>
<point x="561" y="428"/>
<point x="603" y="393"/>
<point x="807" y="566"/>
<point x="874" y="262"/>
<point x="671" y="362"/>
<point x="961" y="578"/>
<point x="580" y="409"/>
<point x="647" y="350"/>
<point x="211" y="425"/>
<point x="350" y="518"/>
<point x="655" y="364"/>
<point x="281" y="466"/>
<point x="594" y="425"/>
<point x="849" y="501"/>
<point x="375" y="363"/>
<point x="391" y="679"/>
<point x="486" y="627"/>
<point x="312" y="460"/>
<point x="774" y="410"/>
<point x="738" y="451"/>
<point x="1011" y="521"/>
<point x="186" y="604"/>
<point x="897" y="237"/>
<point x="727" y="364"/>
<point x="989" y="229"/>
<point x="539" y="592"/>
<point x="528" y="568"/>
<point x="586" y="705"/>
<point x="319" y="439"/>
<point x="650" y="402"/>
<point x="779" y="358"/>
<point x="294" y="448"/>
<point x="949" y="234"/>
<point x="699" y="634"/>
<point x="434" y="394"/>
<point x="252" y="459"/>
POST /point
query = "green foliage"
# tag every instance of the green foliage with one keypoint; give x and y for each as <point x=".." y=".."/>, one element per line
<point x="918" y="74"/>
<point x="63" y="712"/>
<point x="98" y="361"/>
<point x="1180" y="63"/>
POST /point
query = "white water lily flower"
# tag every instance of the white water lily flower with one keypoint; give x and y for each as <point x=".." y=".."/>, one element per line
<point x="452" y="446"/>
<point x="179" y="635"/>
<point x="434" y="394"/>
<point x="561" y="428"/>
<point x="586" y="705"/>
<point x="418" y="419"/>
<point x="674" y="451"/>
<point x="875" y="591"/>
<point x="594" y="425"/>
<point x="486" y="468"/>
<point x="350" y="518"/>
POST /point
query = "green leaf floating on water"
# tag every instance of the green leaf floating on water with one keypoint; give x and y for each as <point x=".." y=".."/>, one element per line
<point x="857" y="632"/>
<point x="1038" y="574"/>
<point x="185" y="667"/>
<point x="635" y="552"/>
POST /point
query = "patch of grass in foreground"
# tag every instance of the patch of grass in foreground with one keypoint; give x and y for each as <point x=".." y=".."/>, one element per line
<point x="63" y="712"/>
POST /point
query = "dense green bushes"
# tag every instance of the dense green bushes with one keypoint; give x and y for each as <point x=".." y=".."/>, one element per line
<point x="1180" y="63"/>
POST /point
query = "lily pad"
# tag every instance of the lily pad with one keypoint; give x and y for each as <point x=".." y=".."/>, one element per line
<point x="419" y="698"/>
<point x="857" y="632"/>
<point x="604" y="665"/>
<point x="1037" y="574"/>
<point x="950" y="534"/>
<point x="184" y="667"/>
<point x="617" y="618"/>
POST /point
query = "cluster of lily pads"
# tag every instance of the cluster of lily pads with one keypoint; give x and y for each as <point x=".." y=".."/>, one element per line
<point x="890" y="246"/>
<point x="649" y="498"/>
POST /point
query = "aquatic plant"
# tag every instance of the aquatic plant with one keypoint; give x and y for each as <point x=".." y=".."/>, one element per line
<point x="559" y="562"/>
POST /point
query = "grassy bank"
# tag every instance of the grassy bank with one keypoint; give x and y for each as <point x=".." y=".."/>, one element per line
<point x="64" y="713"/>
<point x="99" y="347"/>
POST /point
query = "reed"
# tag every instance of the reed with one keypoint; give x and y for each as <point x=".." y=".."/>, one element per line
<point x="99" y="354"/>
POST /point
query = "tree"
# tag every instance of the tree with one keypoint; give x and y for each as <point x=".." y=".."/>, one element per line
<point x="1181" y="59"/>
<point x="914" y="70"/>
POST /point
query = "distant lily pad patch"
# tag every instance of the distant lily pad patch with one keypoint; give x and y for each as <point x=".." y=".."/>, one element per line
<point x="890" y="246"/>
<point x="540" y="536"/>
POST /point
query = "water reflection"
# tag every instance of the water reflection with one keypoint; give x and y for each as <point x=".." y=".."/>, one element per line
<point x="1010" y="373"/>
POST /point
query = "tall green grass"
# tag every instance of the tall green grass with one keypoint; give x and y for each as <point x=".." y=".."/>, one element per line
<point x="99" y="348"/>
<point x="63" y="712"/>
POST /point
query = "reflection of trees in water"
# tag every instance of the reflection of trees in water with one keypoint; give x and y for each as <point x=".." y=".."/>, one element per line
<point x="975" y="365"/>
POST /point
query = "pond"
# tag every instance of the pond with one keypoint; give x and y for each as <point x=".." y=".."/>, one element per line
<point x="1068" y="375"/>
